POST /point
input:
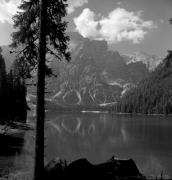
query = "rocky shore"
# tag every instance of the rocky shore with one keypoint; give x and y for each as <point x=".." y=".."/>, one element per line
<point x="113" y="169"/>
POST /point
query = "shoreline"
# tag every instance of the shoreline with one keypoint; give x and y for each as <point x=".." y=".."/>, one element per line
<point x="97" y="110"/>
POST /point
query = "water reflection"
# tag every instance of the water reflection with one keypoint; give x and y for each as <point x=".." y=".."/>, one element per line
<point x="97" y="137"/>
<point x="17" y="154"/>
<point x="11" y="147"/>
<point x="148" y="140"/>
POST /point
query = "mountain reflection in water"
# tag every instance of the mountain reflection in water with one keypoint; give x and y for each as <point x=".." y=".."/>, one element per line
<point x="146" y="139"/>
<point x="97" y="137"/>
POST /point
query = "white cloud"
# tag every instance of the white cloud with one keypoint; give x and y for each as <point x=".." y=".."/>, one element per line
<point x="8" y="9"/>
<point x="73" y="4"/>
<point x="86" y="24"/>
<point x="119" y="25"/>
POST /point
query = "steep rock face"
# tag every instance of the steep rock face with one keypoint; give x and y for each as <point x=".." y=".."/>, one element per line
<point x="95" y="76"/>
<point x="153" y="95"/>
<point x="151" y="61"/>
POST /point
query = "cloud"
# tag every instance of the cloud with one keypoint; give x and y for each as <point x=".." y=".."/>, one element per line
<point x="119" y="25"/>
<point x="73" y="4"/>
<point x="8" y="9"/>
<point x="86" y="24"/>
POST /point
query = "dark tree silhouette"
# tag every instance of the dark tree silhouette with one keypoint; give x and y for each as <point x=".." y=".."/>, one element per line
<point x="40" y="24"/>
<point x="2" y="85"/>
<point x="152" y="95"/>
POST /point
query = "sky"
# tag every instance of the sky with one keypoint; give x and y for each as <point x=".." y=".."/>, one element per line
<point x="128" y="26"/>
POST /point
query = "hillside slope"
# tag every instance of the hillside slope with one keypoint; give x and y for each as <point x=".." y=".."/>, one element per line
<point x="153" y="95"/>
<point x="95" y="75"/>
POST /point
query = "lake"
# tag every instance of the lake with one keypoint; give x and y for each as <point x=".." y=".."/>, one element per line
<point x="98" y="137"/>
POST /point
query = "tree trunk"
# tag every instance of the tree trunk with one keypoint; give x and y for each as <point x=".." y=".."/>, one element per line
<point x="39" y="142"/>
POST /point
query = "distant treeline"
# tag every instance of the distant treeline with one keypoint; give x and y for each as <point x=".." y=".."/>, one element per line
<point x="153" y="95"/>
<point x="13" y="104"/>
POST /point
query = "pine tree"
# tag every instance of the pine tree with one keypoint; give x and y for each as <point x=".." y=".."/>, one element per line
<point x="40" y="30"/>
<point x="2" y="85"/>
<point x="17" y="91"/>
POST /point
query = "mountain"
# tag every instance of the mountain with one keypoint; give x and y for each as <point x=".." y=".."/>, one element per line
<point x="94" y="76"/>
<point x="151" y="61"/>
<point x="153" y="95"/>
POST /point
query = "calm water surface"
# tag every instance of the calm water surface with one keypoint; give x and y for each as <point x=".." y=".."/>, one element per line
<point x="98" y="137"/>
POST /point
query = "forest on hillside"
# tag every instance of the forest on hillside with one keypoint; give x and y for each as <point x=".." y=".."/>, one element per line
<point x="13" y="104"/>
<point x="153" y="95"/>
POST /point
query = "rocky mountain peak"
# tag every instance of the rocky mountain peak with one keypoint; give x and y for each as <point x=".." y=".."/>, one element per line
<point x="151" y="61"/>
<point x="95" y="47"/>
<point x="94" y="75"/>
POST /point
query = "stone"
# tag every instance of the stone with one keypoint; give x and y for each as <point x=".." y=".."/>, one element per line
<point x="82" y="169"/>
<point x="55" y="169"/>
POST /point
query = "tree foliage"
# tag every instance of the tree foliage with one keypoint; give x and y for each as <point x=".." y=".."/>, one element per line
<point x="27" y="23"/>
<point x="40" y="30"/>
<point x="153" y="94"/>
<point x="2" y="84"/>
<point x="13" y="104"/>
